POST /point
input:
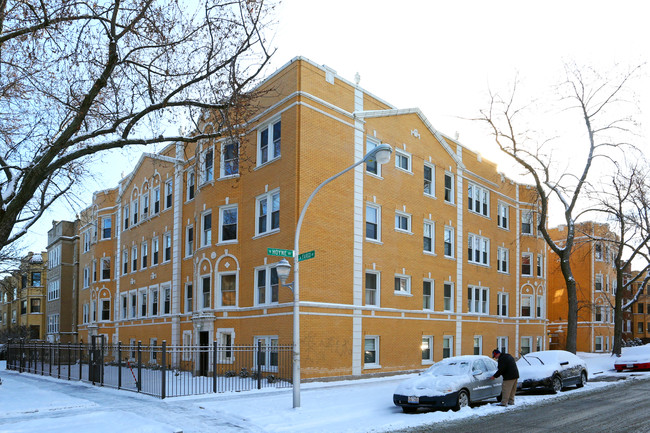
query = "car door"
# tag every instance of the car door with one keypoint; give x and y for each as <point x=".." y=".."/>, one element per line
<point x="481" y="385"/>
<point x="567" y="372"/>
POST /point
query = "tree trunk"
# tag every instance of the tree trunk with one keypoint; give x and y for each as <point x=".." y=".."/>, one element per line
<point x="618" y="314"/>
<point x="572" y="314"/>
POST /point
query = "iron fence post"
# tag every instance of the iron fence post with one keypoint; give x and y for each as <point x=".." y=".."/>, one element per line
<point x="164" y="369"/>
<point x="259" y="364"/>
<point x="119" y="364"/>
<point x="69" y="362"/>
<point x="58" y="360"/>
<point x="214" y="368"/>
<point x="50" y="357"/>
<point x="42" y="361"/>
<point x="139" y="365"/>
<point x="80" y="361"/>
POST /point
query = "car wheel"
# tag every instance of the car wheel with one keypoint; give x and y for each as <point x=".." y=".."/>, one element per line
<point x="463" y="400"/>
<point x="409" y="409"/>
<point x="583" y="379"/>
<point x="556" y="385"/>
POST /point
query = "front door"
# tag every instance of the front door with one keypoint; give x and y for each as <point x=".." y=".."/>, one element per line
<point x="204" y="351"/>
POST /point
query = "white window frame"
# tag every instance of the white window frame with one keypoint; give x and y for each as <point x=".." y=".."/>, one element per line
<point x="403" y="219"/>
<point x="503" y="216"/>
<point x="431" y="298"/>
<point x="598" y="251"/>
<point x="402" y="158"/>
<point x="190" y="188"/>
<point x="145" y="205"/>
<point x="429" y="232"/>
<point x="226" y="163"/>
<point x="598" y="341"/>
<point x="143" y="300"/>
<point x="268" y="285"/>
<point x="371" y="143"/>
<point x="156" y="201"/>
<point x="531" y="306"/>
<point x="449" y="238"/>
<point x="478" y="195"/>
<point x="103" y="263"/>
<point x="154" y="300"/>
<point x="539" y="344"/>
<point x="268" y="343"/>
<point x="206" y="233"/>
<point x="478" y="339"/>
<point x="599" y="283"/>
<point x="268" y="216"/>
<point x="167" y="240"/>
<point x="539" y="266"/>
<point x="136" y="208"/>
<point x="222" y="212"/>
<point x="144" y="254"/>
<point x="481" y="245"/>
<point x="478" y="300"/>
<point x="377" y="289"/>
<point x="527" y="219"/>
<point x="530" y="256"/>
<point x="374" y="339"/>
<point x="502" y="344"/>
<point x="133" y="304"/>
<point x="448" y="345"/>
<point x="449" y="190"/>
<point x="201" y="293"/>
<point x="207" y="164"/>
<point x="405" y="282"/>
<point x="526" y="342"/>
<point x="219" y="299"/>
<point x="271" y="154"/>
<point x="169" y="194"/>
<point x="450" y="298"/>
<point x="377" y="213"/>
<point x="503" y="299"/>
<point x="539" y="307"/>
<point x="189" y="240"/>
<point x="124" y="306"/>
<point x="430" y="183"/>
<point x="503" y="260"/>
<point x="165" y="299"/>
<point x="188" y="296"/>
<point x="155" y="251"/>
<point x="427" y="344"/>
<point x="134" y="258"/>
<point x="106" y="220"/>
<point x="125" y="216"/>
<point x="86" y="277"/>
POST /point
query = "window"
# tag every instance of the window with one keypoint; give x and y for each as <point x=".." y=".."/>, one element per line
<point x="134" y="304"/>
<point x="426" y="347"/>
<point x="448" y="242"/>
<point x="502" y="304"/>
<point x="599" y="342"/>
<point x="639" y="327"/>
<point x="145" y="205"/>
<point x="124" y="305"/>
<point x="640" y="308"/>
<point x="266" y="282"/>
<point x="598" y="313"/>
<point x="126" y="216"/>
<point x="526" y="344"/>
<point x="206" y="292"/>
<point x="86" y="277"/>
<point x="598" y="282"/>
<point x="191" y="181"/>
<point x="53" y="324"/>
<point x="207" y="165"/>
<point x="447" y="346"/>
<point x="168" y="194"/>
<point x="526" y="305"/>
<point x="539" y="344"/>
<point x="478" y="344"/>
<point x="145" y="254"/>
<point x="428" y="236"/>
<point x="402" y="284"/>
<point x="372" y="166"/>
<point x="527" y="264"/>
<point x="427" y="294"/>
<point x="269" y="143"/>
<point x="503" y="211"/>
<point x="106" y="309"/>
<point x="94" y="271"/>
<point x="206" y="227"/>
<point x="371" y="352"/>
<point x="142" y="295"/>
<point x="228" y="289"/>
<point x="189" y="241"/>
<point x="154" y="250"/>
<point x="136" y="206"/>
<point x="502" y="344"/>
<point x="402" y="222"/>
<point x="105" y="268"/>
<point x="228" y="220"/>
<point x="125" y="261"/>
<point x="502" y="260"/>
<point x="268" y="361"/>
<point x="225" y="339"/>
<point x="36" y="279"/>
<point x="478" y="199"/>
<point x="429" y="180"/>
<point x="478" y="300"/>
<point x="85" y="315"/>
<point x="402" y="160"/>
<point x="53" y="290"/>
<point x="448" y="293"/>
<point x="189" y="297"/>
<point x="167" y="240"/>
<point x="540" y="306"/>
<point x="373" y="222"/>
<point x="449" y="187"/>
<point x="23" y="306"/>
<point x="527" y="222"/>
<point x="598" y="251"/>
<point x="106" y="227"/>
<point x="268" y="212"/>
<point x="167" y="298"/>
<point x="478" y="250"/>
<point x="134" y="258"/>
<point x="539" y="265"/>
<point x="229" y="159"/>
<point x="156" y="200"/>
<point x="154" y="308"/>
<point x="372" y="288"/>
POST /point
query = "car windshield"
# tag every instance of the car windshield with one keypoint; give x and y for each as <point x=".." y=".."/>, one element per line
<point x="449" y="368"/>
<point x="531" y="360"/>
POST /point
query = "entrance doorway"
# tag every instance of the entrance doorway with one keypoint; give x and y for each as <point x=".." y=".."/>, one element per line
<point x="204" y="351"/>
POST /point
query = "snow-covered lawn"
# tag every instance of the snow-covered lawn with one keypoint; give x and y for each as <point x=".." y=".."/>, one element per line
<point x="30" y="403"/>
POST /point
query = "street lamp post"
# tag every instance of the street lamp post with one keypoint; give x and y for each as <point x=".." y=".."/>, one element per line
<point x="379" y="154"/>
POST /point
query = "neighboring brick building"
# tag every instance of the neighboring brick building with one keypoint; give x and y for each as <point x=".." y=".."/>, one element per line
<point x="432" y="255"/>
<point x="639" y="316"/>
<point x="592" y="263"/>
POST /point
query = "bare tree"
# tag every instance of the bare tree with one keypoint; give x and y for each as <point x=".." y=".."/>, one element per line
<point x="592" y="97"/>
<point x="77" y="78"/>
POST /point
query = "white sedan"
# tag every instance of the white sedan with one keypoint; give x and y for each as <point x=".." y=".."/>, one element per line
<point x="453" y="383"/>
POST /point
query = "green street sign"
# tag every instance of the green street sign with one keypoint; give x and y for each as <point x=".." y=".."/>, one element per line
<point x="306" y="256"/>
<point x="279" y="252"/>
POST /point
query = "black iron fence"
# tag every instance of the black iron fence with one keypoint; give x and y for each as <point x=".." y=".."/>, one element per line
<point x="161" y="371"/>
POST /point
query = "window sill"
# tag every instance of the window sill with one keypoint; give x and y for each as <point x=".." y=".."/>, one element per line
<point x="371" y="366"/>
<point x="270" y="232"/>
<point x="504" y="228"/>
<point x="403" y="170"/>
<point x="427" y="362"/>
<point x="228" y="177"/>
<point x="398" y="293"/>
<point x="450" y="203"/>
<point x="449" y="257"/>
<point x="406" y="232"/>
<point x="374" y="241"/>
<point x="430" y="196"/>
<point x="270" y="161"/>
<point x="376" y="176"/>
<point x="230" y="242"/>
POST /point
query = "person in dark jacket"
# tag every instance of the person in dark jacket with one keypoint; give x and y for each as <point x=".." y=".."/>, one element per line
<point x="507" y="367"/>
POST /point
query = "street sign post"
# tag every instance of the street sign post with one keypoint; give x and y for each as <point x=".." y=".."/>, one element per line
<point x="279" y="252"/>
<point x="306" y="256"/>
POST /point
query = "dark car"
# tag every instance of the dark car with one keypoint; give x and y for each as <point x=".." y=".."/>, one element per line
<point x="552" y="370"/>
<point x="451" y="383"/>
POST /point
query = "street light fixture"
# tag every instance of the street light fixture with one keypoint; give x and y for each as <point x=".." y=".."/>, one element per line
<point x="381" y="155"/>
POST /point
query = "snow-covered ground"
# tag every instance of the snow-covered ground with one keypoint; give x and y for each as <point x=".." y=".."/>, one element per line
<point x="30" y="403"/>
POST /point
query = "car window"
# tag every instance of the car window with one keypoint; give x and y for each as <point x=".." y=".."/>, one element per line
<point x="479" y="365"/>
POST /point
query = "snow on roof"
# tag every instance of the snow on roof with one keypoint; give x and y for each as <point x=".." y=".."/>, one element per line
<point x="36" y="258"/>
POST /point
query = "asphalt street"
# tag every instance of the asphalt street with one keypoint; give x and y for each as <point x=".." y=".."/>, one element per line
<point x="614" y="409"/>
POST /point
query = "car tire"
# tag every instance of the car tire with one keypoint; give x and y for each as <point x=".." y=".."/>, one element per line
<point x="409" y="409"/>
<point x="463" y="400"/>
<point x="556" y="384"/>
<point x="583" y="380"/>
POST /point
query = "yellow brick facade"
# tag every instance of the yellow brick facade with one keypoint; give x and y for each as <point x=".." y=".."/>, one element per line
<point x="391" y="286"/>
